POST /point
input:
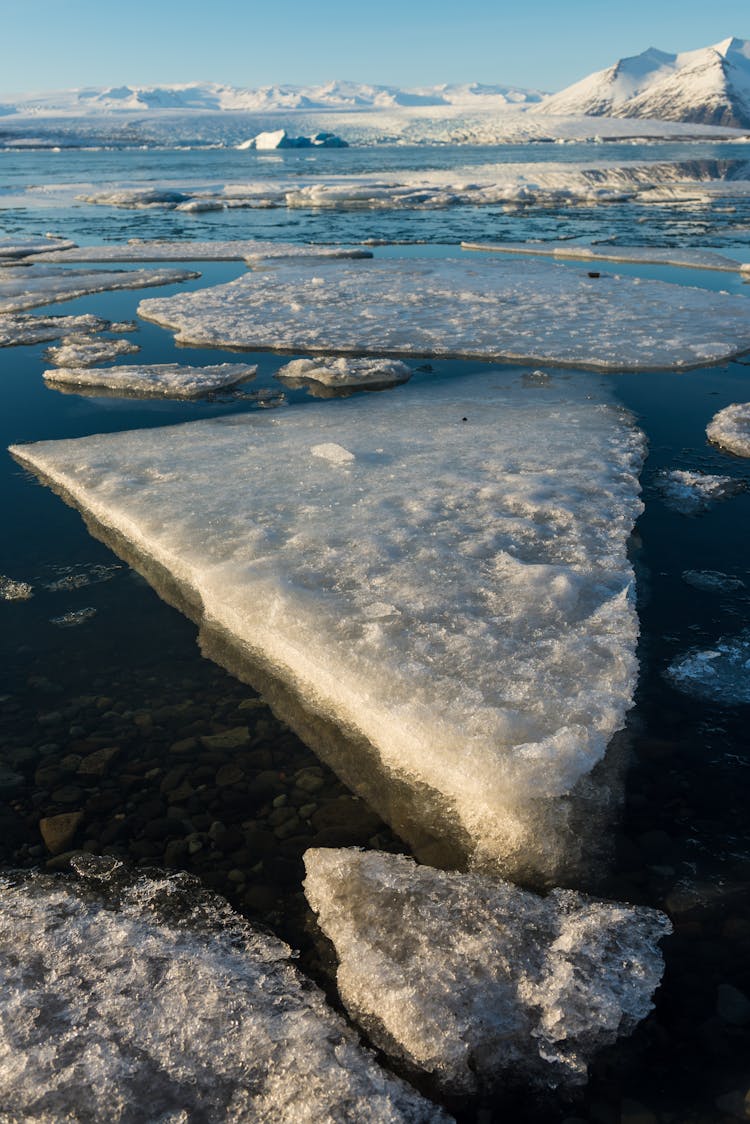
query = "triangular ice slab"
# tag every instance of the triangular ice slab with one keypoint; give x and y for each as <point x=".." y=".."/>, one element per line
<point x="30" y="286"/>
<point x="442" y="571"/>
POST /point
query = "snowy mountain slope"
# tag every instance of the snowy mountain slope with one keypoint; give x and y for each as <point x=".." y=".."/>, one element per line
<point x="710" y="86"/>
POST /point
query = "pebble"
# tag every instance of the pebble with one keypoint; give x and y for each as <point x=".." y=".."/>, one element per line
<point x="236" y="738"/>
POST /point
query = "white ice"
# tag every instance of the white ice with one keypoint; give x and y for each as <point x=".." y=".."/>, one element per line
<point x="720" y="673"/>
<point x="86" y="351"/>
<point x="692" y="493"/>
<point x="693" y="259"/>
<point x="478" y="307"/>
<point x="341" y="372"/>
<point x="492" y="517"/>
<point x="13" y="590"/>
<point x="730" y="429"/>
<point x="147" y="1000"/>
<point x="17" y="248"/>
<point x="30" y="286"/>
<point x="279" y="138"/>
<point x="240" y="249"/>
<point x="164" y="380"/>
<point x="19" y="328"/>
<point x="476" y="981"/>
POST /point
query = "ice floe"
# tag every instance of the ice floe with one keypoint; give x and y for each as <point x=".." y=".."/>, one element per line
<point x="165" y="380"/>
<point x="86" y="351"/>
<point x="30" y="286"/>
<point x="720" y="673"/>
<point x="494" y="527"/>
<point x="692" y="493"/>
<point x="475" y="980"/>
<point x="14" y="249"/>
<point x="476" y="307"/>
<point x="19" y="328"/>
<point x="125" y="999"/>
<point x="69" y="578"/>
<point x="12" y="590"/>
<point x="712" y="581"/>
<point x="342" y="373"/>
<point x="693" y="259"/>
<point x="238" y="249"/>
<point x="74" y="617"/>
<point x="730" y="429"/>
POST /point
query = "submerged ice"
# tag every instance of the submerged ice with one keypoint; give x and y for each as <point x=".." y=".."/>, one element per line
<point x="720" y="674"/>
<point x="165" y="380"/>
<point x="476" y="981"/>
<point x="451" y="588"/>
<point x="692" y="493"/>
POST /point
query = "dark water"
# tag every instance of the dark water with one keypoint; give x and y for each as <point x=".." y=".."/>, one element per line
<point x="131" y="678"/>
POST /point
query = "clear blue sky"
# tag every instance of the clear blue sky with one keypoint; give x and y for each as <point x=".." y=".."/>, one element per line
<point x="55" y="44"/>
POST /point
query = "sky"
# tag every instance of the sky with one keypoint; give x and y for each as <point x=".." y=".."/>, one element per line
<point x="537" y="44"/>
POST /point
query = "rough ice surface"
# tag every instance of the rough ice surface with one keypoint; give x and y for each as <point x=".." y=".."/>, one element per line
<point x="34" y="285"/>
<point x="345" y="372"/>
<point x="475" y="980"/>
<point x="476" y="307"/>
<point x="13" y="249"/>
<point x="74" y="617"/>
<point x="720" y="674"/>
<point x="129" y="999"/>
<point x="692" y="493"/>
<point x="279" y="138"/>
<point x="730" y="429"/>
<point x="712" y="581"/>
<point x="165" y="380"/>
<point x="239" y="249"/>
<point x="20" y="328"/>
<point x="694" y="259"/>
<point x="86" y="351"/>
<point x="69" y="578"/>
<point x="12" y="590"/>
<point x="458" y="595"/>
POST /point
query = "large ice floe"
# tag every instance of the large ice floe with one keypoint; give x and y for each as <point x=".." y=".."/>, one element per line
<point x="720" y="673"/>
<point x="483" y="308"/>
<point x="163" y="380"/>
<point x="240" y="249"/>
<point x="86" y="351"/>
<point x="730" y="429"/>
<point x="129" y="999"/>
<point x="342" y="373"/>
<point x="693" y="493"/>
<point x="692" y="259"/>
<point x="22" y="328"/>
<point x="443" y="608"/>
<point x="23" y="287"/>
<point x="476" y="981"/>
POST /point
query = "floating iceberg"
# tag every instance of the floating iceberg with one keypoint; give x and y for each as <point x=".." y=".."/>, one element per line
<point x="34" y="285"/>
<point x="720" y="674"/>
<point x="164" y="380"/>
<point x="125" y="999"/>
<point x="239" y="249"/>
<point x="692" y="493"/>
<point x="86" y="351"/>
<point x="19" y="328"/>
<point x="343" y="373"/>
<point x="480" y="308"/>
<point x="692" y="259"/>
<point x="730" y="429"/>
<point x="476" y="981"/>
<point x="445" y="614"/>
<point x="279" y="138"/>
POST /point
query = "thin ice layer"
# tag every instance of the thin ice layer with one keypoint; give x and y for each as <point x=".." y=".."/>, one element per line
<point x="33" y="285"/>
<point x="86" y="351"/>
<point x="730" y="429"/>
<point x="147" y="999"/>
<point x="483" y="308"/>
<point x="455" y="591"/>
<point x="166" y="380"/>
<point x="341" y="372"/>
<point x="20" y="328"/>
<point x="244" y="249"/>
<point x="692" y="259"/>
<point x="692" y="493"/>
<point x="476" y="981"/>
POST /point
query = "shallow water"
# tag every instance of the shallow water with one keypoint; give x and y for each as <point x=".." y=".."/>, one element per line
<point x="131" y="675"/>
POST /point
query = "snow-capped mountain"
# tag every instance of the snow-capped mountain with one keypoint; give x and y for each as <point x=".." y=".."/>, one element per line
<point x="710" y="86"/>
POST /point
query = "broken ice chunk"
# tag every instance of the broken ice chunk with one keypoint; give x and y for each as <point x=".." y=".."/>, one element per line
<point x="164" y="380"/>
<point x="343" y="372"/>
<point x="84" y="351"/>
<point x="22" y="328"/>
<point x="712" y="581"/>
<point x="692" y="493"/>
<point x="74" y="617"/>
<point x="12" y="590"/>
<point x="475" y="980"/>
<point x="720" y="673"/>
<point x="333" y="453"/>
<point x="730" y="429"/>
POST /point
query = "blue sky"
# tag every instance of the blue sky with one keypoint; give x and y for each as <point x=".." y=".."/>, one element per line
<point x="544" y="44"/>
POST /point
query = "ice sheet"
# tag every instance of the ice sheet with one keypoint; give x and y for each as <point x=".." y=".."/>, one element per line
<point x="730" y="429"/>
<point x="165" y="380"/>
<point x="126" y="1000"/>
<point x="476" y="981"/>
<point x="340" y="372"/>
<point x="30" y="286"/>
<point x="693" y="259"/>
<point x="456" y="594"/>
<point x="86" y="351"/>
<point x="692" y="493"/>
<point x="19" y="328"/>
<point x="243" y="249"/>
<point x="720" y="673"/>
<point x="477" y="307"/>
<point x="17" y="248"/>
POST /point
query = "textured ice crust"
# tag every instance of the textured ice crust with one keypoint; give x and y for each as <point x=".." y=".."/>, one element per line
<point x="222" y="250"/>
<point x="148" y="1000"/>
<point x="21" y="328"/>
<point x="720" y="674"/>
<point x="692" y="493"/>
<point x="692" y="259"/>
<point x="166" y="380"/>
<point x="340" y="372"/>
<point x="730" y="429"/>
<point x="479" y="307"/>
<point x="455" y="590"/>
<point x="476" y="981"/>
<point x="13" y="249"/>
<point x="34" y="285"/>
<point x="12" y="590"/>
<point x="85" y="351"/>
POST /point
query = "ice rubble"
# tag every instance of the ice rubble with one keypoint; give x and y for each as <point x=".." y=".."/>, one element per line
<point x="339" y="372"/>
<point x="165" y="380"/>
<point x="85" y="351"/>
<point x="455" y="598"/>
<point x="30" y="286"/>
<point x="476" y="981"/>
<point x="20" y="328"/>
<point x="720" y="673"/>
<point x="483" y="308"/>
<point x="120" y="994"/>
<point x="692" y="493"/>
<point x="238" y="249"/>
<point x="730" y="429"/>
<point x="692" y="259"/>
